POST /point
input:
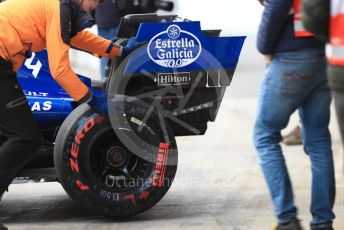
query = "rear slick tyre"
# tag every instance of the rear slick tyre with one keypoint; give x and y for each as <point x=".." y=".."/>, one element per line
<point x="105" y="176"/>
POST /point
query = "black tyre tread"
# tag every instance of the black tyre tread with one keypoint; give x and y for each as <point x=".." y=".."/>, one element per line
<point x="86" y="202"/>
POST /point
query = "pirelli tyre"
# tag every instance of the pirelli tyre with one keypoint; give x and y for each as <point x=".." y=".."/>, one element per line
<point x="115" y="173"/>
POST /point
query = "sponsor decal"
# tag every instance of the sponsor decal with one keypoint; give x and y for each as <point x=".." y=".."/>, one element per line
<point x="36" y="68"/>
<point x="160" y="166"/>
<point x="74" y="151"/>
<point x="35" y="94"/>
<point x="37" y="106"/>
<point x="173" y="79"/>
<point x="174" y="48"/>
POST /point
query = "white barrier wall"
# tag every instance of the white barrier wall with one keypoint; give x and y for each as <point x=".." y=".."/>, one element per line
<point x="234" y="17"/>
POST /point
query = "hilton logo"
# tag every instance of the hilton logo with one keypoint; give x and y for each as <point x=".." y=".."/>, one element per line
<point x="173" y="79"/>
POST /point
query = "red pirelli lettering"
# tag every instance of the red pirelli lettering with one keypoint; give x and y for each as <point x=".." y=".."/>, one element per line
<point x="89" y="125"/>
<point x="162" y="176"/>
<point x="79" y="136"/>
<point x="161" y="164"/>
<point x="160" y="157"/>
<point x="130" y="197"/>
<point x="164" y="146"/>
<point x="144" y="195"/>
<point x="81" y="185"/>
<point x="74" y="150"/>
<point x="74" y="165"/>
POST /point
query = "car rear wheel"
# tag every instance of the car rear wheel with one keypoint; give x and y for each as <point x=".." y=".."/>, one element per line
<point x="115" y="171"/>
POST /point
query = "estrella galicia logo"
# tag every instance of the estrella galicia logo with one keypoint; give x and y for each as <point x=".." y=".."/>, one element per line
<point x="174" y="48"/>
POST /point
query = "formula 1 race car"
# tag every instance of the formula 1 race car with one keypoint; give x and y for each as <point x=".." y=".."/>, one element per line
<point x="125" y="163"/>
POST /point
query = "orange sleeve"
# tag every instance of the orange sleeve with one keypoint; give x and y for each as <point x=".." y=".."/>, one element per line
<point x="58" y="55"/>
<point x="94" y="44"/>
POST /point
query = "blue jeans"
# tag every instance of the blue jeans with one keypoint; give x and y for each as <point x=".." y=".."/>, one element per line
<point x="296" y="80"/>
<point x="107" y="33"/>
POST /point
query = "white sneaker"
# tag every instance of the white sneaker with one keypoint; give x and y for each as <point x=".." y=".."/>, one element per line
<point x="2" y="227"/>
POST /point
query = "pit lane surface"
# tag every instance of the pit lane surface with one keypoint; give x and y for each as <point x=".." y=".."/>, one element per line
<point x="218" y="184"/>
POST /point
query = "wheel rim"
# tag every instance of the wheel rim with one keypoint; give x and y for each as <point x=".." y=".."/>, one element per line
<point x="114" y="166"/>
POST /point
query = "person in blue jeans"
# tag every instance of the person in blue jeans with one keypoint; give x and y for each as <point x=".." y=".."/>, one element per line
<point x="295" y="79"/>
<point x="107" y="18"/>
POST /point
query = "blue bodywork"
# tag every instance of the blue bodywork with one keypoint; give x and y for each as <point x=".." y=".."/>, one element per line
<point x="49" y="103"/>
<point x="224" y="51"/>
<point x="172" y="47"/>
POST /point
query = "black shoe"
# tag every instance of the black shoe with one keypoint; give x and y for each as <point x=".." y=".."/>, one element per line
<point x="294" y="224"/>
<point x="3" y="227"/>
<point x="321" y="227"/>
<point x="293" y="138"/>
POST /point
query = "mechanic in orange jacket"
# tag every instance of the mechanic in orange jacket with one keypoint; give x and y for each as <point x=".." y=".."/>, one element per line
<point x="32" y="25"/>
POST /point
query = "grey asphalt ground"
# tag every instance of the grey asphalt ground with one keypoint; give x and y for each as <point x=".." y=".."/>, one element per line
<point x="218" y="185"/>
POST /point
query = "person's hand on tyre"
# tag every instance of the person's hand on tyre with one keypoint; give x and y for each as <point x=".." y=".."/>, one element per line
<point x="97" y="101"/>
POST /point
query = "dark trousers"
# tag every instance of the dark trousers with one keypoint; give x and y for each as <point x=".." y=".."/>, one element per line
<point x="20" y="137"/>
